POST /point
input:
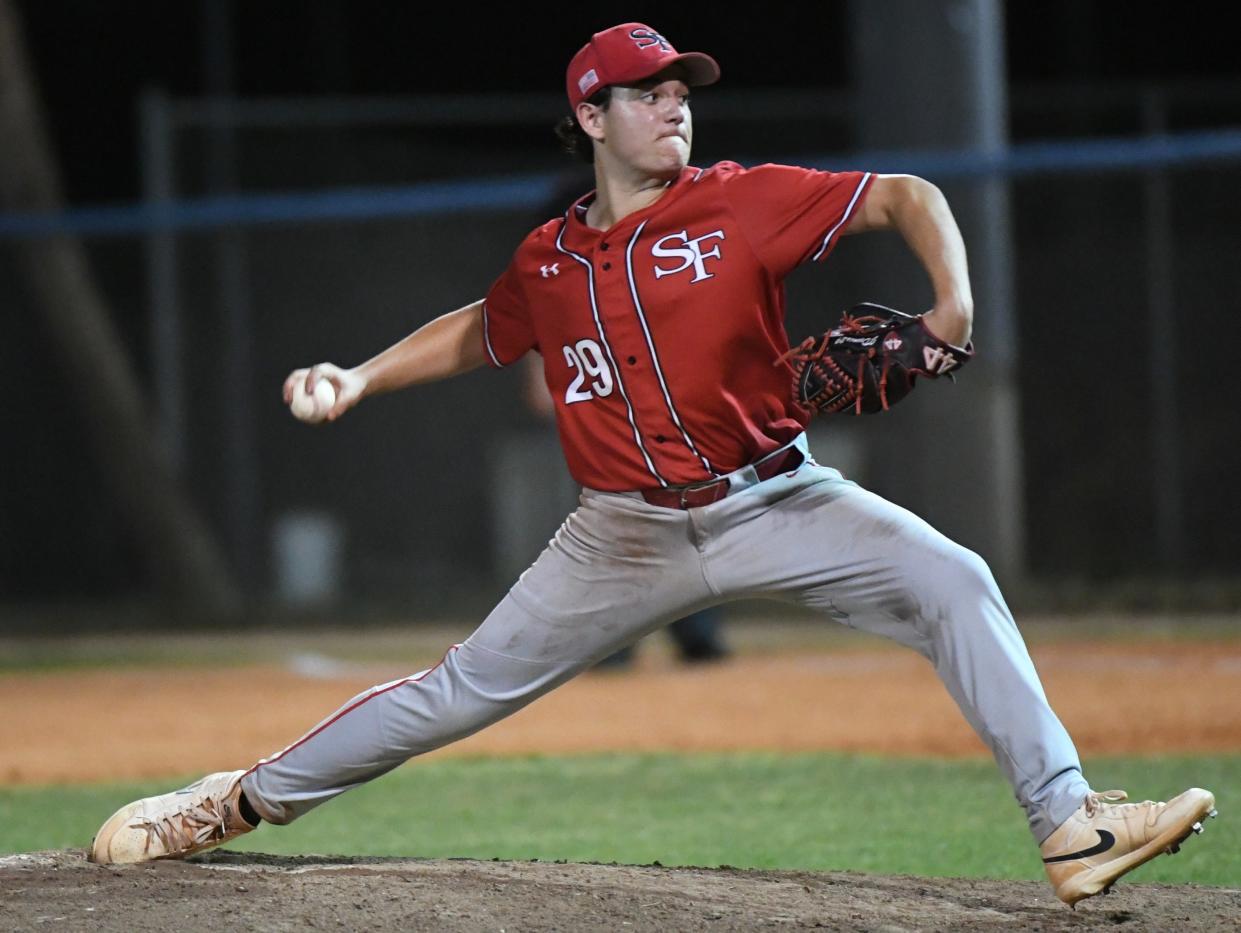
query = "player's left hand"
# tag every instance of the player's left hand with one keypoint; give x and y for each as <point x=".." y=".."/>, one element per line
<point x="869" y="361"/>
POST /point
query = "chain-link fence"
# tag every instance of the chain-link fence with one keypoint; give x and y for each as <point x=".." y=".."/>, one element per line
<point x="1125" y="235"/>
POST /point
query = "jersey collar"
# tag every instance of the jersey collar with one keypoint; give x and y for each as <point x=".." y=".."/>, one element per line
<point x="582" y="238"/>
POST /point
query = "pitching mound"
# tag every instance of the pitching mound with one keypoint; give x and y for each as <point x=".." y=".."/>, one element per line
<point x="61" y="890"/>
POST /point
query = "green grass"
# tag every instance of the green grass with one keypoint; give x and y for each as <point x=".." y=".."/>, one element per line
<point x="807" y="811"/>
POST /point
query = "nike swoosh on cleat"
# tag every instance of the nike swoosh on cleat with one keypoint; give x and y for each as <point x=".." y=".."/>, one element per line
<point x="1106" y="841"/>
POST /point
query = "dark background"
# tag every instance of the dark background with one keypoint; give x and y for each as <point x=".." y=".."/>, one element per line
<point x="93" y="58"/>
<point x="1083" y="376"/>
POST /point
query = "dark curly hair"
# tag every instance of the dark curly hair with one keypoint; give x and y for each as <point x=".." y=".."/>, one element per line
<point x="573" y="138"/>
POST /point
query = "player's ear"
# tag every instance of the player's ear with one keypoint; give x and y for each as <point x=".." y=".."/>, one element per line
<point x="590" y="118"/>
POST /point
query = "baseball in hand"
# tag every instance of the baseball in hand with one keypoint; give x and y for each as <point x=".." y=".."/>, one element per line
<point x="312" y="408"/>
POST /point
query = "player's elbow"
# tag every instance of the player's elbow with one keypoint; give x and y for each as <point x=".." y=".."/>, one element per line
<point x="915" y="198"/>
<point x="893" y="200"/>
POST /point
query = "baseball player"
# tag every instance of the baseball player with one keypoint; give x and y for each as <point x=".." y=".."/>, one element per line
<point x="656" y="303"/>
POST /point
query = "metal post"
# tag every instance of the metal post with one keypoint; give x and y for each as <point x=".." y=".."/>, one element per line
<point x="232" y="295"/>
<point x="1165" y="444"/>
<point x="948" y="90"/>
<point x="158" y="191"/>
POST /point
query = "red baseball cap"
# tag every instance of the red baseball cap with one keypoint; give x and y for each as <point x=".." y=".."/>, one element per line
<point x="626" y="54"/>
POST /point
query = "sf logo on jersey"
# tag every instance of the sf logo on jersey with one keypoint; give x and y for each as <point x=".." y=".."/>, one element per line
<point x="690" y="253"/>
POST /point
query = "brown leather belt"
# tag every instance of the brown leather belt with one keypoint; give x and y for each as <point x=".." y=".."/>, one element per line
<point x="697" y="495"/>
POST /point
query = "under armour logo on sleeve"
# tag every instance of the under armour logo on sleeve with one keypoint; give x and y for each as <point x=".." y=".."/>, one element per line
<point x="553" y="269"/>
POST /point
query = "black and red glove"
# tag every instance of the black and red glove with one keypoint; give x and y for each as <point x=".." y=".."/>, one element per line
<point x="869" y="361"/>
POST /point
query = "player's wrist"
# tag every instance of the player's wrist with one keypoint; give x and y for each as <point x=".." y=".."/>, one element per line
<point x="363" y="379"/>
<point x="952" y="322"/>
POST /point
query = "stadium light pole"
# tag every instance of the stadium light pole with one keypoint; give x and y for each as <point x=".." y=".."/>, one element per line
<point x="232" y="293"/>
<point x="932" y="75"/>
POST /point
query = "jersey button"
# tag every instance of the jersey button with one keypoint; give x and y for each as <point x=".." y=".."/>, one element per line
<point x="603" y="246"/>
<point x="607" y="266"/>
<point x="659" y="438"/>
<point x="632" y="360"/>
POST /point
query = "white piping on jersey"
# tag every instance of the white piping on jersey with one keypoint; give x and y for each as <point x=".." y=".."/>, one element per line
<point x="698" y="176"/>
<point x="487" y="339"/>
<point x="848" y="212"/>
<point x="620" y="383"/>
<point x="650" y="344"/>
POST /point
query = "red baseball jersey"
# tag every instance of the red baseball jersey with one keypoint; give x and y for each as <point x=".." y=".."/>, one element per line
<point x="658" y="336"/>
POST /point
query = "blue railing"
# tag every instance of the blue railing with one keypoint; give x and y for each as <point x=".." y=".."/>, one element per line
<point x="527" y="192"/>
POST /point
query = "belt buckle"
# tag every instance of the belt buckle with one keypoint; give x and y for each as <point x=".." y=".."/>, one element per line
<point x="697" y="486"/>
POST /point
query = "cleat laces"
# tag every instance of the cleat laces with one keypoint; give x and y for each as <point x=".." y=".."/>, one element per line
<point x="1095" y="801"/>
<point x="187" y="829"/>
<point x="1112" y="799"/>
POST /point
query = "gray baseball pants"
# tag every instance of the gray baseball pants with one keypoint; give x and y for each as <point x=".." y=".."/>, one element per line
<point x="620" y="568"/>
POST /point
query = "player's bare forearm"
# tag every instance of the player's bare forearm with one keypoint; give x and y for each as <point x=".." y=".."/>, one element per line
<point x="447" y="346"/>
<point x="451" y="344"/>
<point x="919" y="212"/>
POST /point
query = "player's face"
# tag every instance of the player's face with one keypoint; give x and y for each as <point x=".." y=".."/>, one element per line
<point x="648" y="127"/>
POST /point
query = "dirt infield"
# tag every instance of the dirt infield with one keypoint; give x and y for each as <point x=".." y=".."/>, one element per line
<point x="1177" y="697"/>
<point x="149" y="722"/>
<point x="235" y="891"/>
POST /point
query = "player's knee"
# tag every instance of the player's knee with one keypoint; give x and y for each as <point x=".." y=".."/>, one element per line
<point x="453" y="701"/>
<point x="961" y="575"/>
<point x="431" y="722"/>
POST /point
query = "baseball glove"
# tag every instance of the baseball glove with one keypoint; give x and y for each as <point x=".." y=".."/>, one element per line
<point x="869" y="361"/>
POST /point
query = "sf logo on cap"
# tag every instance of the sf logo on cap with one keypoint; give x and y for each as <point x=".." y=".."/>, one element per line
<point x="645" y="38"/>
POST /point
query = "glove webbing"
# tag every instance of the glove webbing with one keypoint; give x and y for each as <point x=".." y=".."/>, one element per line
<point x="854" y="325"/>
<point x="815" y="352"/>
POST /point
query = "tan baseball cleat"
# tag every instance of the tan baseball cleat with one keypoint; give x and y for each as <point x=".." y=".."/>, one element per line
<point x="174" y="825"/>
<point x="1105" y="838"/>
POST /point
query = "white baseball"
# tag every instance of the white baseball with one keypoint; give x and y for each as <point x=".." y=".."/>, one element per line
<point x="312" y="408"/>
